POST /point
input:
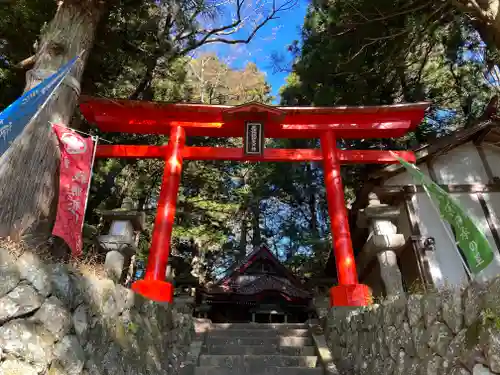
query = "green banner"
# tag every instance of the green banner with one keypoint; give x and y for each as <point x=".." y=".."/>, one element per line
<point x="470" y="238"/>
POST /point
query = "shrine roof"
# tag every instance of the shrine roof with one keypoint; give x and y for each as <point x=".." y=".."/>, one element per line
<point x="259" y="253"/>
<point x="120" y="115"/>
<point x="260" y="284"/>
<point x="484" y="131"/>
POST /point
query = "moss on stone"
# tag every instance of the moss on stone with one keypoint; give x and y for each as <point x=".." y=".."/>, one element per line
<point x="121" y="335"/>
<point x="488" y="315"/>
<point x="132" y="327"/>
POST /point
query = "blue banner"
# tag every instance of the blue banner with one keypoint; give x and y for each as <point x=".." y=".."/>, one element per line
<point x="16" y="116"/>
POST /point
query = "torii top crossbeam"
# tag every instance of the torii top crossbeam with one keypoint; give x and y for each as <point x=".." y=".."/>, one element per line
<point x="127" y="116"/>
<point x="254" y="122"/>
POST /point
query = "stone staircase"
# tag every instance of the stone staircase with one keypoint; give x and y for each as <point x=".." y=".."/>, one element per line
<point x="257" y="349"/>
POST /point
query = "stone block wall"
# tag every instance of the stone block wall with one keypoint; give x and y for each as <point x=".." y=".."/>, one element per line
<point x="56" y="321"/>
<point x="455" y="332"/>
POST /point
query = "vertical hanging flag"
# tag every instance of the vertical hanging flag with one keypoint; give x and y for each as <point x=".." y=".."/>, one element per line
<point x="76" y="167"/>
<point x="16" y="116"/>
<point x="471" y="240"/>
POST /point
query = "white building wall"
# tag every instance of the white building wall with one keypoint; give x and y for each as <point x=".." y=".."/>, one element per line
<point x="492" y="154"/>
<point x="404" y="178"/>
<point x="445" y="264"/>
<point x="493" y="202"/>
<point x="460" y="166"/>
<point x="403" y="222"/>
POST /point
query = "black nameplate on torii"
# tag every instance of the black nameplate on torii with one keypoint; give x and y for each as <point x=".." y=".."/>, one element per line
<point x="253" y="141"/>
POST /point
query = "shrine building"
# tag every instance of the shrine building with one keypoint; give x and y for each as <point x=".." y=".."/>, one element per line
<point x="466" y="164"/>
<point x="258" y="289"/>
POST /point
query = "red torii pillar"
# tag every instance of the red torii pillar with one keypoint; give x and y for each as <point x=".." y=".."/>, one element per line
<point x="346" y="266"/>
<point x="154" y="285"/>
<point x="281" y="122"/>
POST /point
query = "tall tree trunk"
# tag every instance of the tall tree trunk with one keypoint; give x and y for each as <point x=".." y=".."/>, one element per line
<point x="313" y="224"/>
<point x="404" y="83"/>
<point x="144" y="90"/>
<point x="311" y="191"/>
<point x="256" y="236"/>
<point x="243" y="239"/>
<point x="29" y="169"/>
<point x="104" y="190"/>
<point x="485" y="16"/>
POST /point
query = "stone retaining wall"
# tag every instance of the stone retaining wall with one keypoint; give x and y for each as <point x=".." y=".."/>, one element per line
<point x="454" y="332"/>
<point x="55" y="321"/>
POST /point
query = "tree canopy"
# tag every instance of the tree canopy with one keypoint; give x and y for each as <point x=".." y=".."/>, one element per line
<point x="351" y="52"/>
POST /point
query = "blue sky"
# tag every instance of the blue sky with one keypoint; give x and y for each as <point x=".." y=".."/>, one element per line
<point x="278" y="34"/>
<point x="273" y="37"/>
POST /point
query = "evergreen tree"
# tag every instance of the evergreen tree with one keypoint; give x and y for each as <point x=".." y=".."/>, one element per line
<point x="165" y="30"/>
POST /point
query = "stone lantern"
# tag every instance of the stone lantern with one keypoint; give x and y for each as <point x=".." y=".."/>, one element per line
<point x="120" y="244"/>
<point x="383" y="241"/>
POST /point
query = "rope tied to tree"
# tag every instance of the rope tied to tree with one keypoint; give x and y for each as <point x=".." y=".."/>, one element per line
<point x="41" y="74"/>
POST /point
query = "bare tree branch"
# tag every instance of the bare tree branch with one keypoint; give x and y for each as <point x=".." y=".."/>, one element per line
<point x="209" y="33"/>
<point x="358" y="12"/>
<point x="217" y="35"/>
<point x="429" y="23"/>
<point x="427" y="53"/>
<point x="472" y="8"/>
<point x="174" y="37"/>
<point x="279" y="64"/>
<point x="347" y="27"/>
<point x="26" y="63"/>
<point x="410" y="9"/>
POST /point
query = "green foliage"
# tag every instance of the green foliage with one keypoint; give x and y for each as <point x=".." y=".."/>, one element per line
<point x="210" y="202"/>
<point x="132" y="327"/>
<point x="489" y="316"/>
<point x="362" y="53"/>
<point x="374" y="53"/>
<point x="24" y="18"/>
<point x="480" y="328"/>
<point x="351" y="53"/>
<point x="141" y="52"/>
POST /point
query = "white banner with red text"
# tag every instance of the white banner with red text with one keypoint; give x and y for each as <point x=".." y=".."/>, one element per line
<point x="75" y="172"/>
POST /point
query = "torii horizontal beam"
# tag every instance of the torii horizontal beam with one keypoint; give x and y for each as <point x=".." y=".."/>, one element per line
<point x="128" y="116"/>
<point x="237" y="154"/>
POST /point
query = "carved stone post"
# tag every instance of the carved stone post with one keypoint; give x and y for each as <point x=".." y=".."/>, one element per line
<point x="170" y="273"/>
<point x="383" y="241"/>
<point x="120" y="243"/>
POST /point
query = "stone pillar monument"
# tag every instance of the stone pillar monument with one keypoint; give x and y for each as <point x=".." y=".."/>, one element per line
<point x="383" y="241"/>
<point x="120" y="244"/>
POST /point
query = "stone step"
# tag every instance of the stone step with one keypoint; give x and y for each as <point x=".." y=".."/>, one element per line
<point x="274" y="341"/>
<point x="256" y="362"/>
<point x="257" y="350"/>
<point x="259" y="332"/>
<point x="207" y="370"/>
<point x="255" y="326"/>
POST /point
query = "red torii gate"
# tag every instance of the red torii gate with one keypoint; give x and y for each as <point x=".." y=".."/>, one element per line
<point x="254" y="122"/>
